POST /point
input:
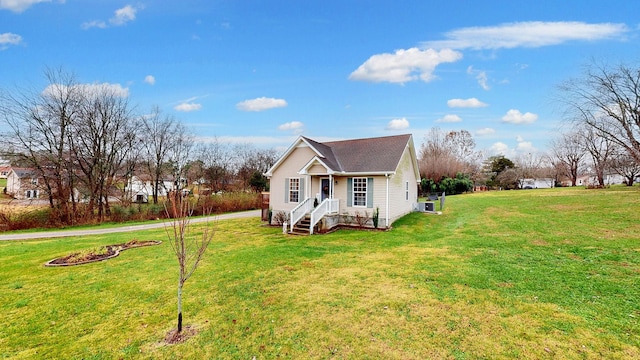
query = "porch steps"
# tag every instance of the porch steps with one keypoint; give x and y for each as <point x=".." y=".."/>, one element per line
<point x="302" y="227"/>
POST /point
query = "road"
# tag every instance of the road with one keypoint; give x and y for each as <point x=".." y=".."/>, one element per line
<point x="66" y="233"/>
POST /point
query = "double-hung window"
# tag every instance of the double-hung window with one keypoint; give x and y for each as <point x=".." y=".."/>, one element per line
<point x="294" y="190"/>
<point x="360" y="192"/>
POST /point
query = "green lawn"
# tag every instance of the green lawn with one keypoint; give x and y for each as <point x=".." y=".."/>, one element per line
<point x="512" y="274"/>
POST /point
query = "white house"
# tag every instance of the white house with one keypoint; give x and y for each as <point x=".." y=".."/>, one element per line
<point x="24" y="184"/>
<point x="542" y="183"/>
<point x="345" y="179"/>
<point x="141" y="190"/>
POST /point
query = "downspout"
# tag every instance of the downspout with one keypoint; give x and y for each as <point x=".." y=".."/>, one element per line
<point x="387" y="204"/>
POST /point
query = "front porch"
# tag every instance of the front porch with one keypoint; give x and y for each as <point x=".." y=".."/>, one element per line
<point x="307" y="218"/>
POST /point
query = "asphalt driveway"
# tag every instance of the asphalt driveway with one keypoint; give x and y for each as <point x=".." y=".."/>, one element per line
<point x="66" y="233"/>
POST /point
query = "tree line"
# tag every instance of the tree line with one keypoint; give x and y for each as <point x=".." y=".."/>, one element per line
<point x="86" y="142"/>
<point x="601" y="136"/>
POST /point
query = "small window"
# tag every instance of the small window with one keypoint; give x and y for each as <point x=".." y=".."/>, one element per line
<point x="360" y="192"/>
<point x="294" y="190"/>
<point x="407" y="191"/>
<point x="34" y="181"/>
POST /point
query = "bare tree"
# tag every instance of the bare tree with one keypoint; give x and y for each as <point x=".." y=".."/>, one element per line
<point x="568" y="154"/>
<point x="179" y="156"/>
<point x="446" y="154"/>
<point x="160" y="133"/>
<point x="104" y="135"/>
<point x="40" y="124"/>
<point x="601" y="148"/>
<point x="188" y="248"/>
<point x="608" y="100"/>
<point x="218" y="160"/>
<point x="627" y="166"/>
<point x="527" y="166"/>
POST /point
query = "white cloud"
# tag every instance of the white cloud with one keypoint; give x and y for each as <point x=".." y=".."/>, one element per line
<point x="188" y="106"/>
<point x="150" y="79"/>
<point x="120" y="17"/>
<point x="95" y="23"/>
<point x="90" y="89"/>
<point x="481" y="76"/>
<point x="516" y="117"/>
<point x="7" y="39"/>
<point x="398" y="124"/>
<point x="529" y="34"/>
<point x="261" y="104"/>
<point x="526" y="147"/>
<point x="123" y="15"/>
<point x="296" y="126"/>
<point x="466" y="103"/>
<point x="19" y="6"/>
<point x="449" y="118"/>
<point x="404" y="65"/>
<point x="485" y="131"/>
<point x="499" y="148"/>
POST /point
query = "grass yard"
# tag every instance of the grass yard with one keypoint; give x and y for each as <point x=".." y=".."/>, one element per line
<point x="512" y="274"/>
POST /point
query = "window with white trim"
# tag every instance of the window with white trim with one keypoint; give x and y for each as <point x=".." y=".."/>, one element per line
<point x="294" y="190"/>
<point x="360" y="192"/>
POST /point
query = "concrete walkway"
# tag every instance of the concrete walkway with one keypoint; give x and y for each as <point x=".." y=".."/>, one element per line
<point x="155" y="225"/>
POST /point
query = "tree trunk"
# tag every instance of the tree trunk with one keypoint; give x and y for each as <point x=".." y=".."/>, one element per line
<point x="180" y="306"/>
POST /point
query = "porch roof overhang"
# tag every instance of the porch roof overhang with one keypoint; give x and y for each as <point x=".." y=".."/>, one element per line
<point x="316" y="160"/>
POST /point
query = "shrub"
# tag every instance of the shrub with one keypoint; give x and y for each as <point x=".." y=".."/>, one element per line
<point x="280" y="217"/>
<point x="376" y="217"/>
<point x="20" y="220"/>
<point x="361" y="219"/>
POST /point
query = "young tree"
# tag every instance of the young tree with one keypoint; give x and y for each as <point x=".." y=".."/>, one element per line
<point x="188" y="248"/>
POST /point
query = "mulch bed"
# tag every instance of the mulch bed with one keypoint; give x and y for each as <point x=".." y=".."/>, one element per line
<point x="104" y="253"/>
<point x="175" y="337"/>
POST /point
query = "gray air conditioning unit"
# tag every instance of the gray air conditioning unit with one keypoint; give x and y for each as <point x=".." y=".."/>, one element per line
<point x="428" y="206"/>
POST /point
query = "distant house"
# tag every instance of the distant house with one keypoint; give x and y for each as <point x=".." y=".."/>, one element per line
<point x="542" y="183"/>
<point x="141" y="189"/>
<point x="346" y="179"/>
<point x="24" y="183"/>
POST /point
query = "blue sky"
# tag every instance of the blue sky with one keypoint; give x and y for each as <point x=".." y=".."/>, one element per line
<point x="264" y="72"/>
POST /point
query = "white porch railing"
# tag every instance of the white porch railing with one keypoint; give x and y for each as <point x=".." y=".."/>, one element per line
<point x="300" y="211"/>
<point x="328" y="206"/>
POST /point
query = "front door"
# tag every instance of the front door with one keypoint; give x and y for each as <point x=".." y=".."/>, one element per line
<point x="324" y="189"/>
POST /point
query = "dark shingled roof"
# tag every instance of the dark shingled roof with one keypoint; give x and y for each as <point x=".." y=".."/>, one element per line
<point x="381" y="154"/>
<point x="22" y="172"/>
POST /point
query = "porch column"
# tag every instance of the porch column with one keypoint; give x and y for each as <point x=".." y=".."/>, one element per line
<point x="331" y="186"/>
